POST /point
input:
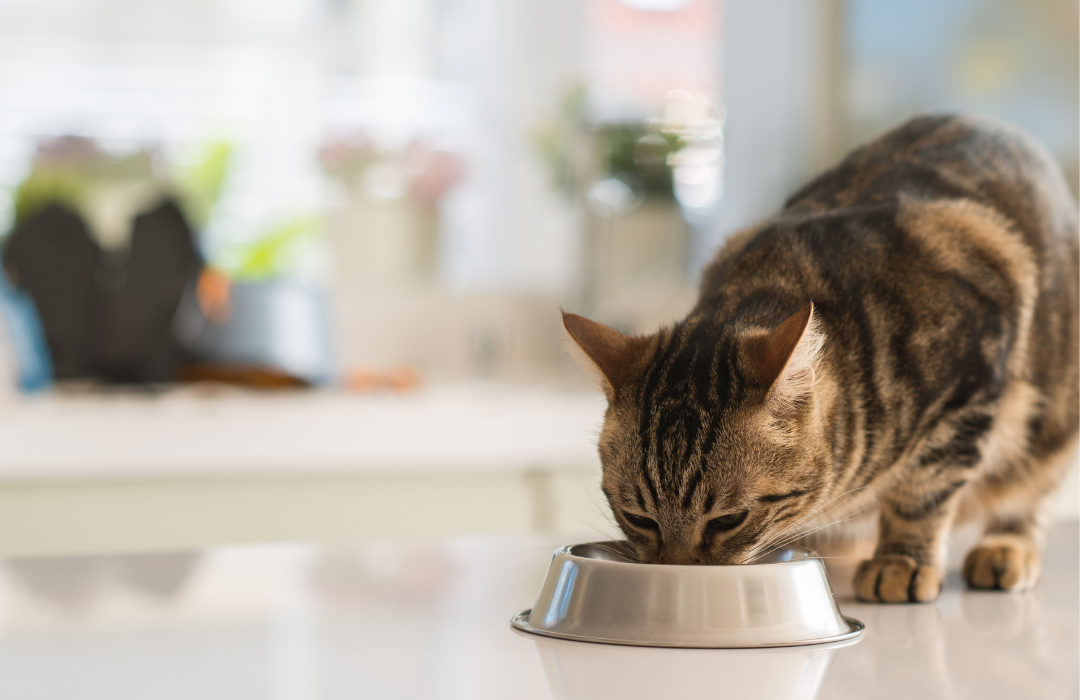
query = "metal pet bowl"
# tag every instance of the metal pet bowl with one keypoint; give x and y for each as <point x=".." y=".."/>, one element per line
<point x="594" y="593"/>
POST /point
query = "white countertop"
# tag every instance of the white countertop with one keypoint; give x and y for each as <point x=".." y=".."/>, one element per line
<point x="430" y="620"/>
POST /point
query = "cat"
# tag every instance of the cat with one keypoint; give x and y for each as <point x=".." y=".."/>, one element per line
<point x="900" y="340"/>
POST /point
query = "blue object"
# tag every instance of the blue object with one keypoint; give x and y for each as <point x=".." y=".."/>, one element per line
<point x="19" y="320"/>
<point x="276" y="324"/>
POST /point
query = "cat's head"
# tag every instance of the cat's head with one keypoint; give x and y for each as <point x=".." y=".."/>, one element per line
<point x="713" y="442"/>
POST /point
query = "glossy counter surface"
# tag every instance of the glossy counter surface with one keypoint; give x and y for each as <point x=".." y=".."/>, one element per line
<point x="430" y="620"/>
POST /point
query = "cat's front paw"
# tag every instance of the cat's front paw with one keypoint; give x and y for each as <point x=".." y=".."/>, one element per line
<point x="895" y="578"/>
<point x="1003" y="562"/>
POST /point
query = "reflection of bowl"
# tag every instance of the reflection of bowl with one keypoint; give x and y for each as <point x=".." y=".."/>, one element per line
<point x="577" y="671"/>
<point x="595" y="593"/>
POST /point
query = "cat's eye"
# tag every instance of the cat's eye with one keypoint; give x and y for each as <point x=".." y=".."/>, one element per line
<point x="726" y="522"/>
<point x="640" y="521"/>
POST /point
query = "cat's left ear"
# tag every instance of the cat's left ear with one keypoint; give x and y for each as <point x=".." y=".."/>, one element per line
<point x="610" y="357"/>
<point x="784" y="360"/>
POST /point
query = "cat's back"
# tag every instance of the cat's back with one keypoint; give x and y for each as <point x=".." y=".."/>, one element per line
<point x="951" y="157"/>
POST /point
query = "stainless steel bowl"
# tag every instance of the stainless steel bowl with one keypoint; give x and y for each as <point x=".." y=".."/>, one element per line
<point x="595" y="593"/>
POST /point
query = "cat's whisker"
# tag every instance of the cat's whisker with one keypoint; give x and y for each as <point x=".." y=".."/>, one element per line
<point x="593" y="459"/>
<point x="592" y="504"/>
<point x="816" y="512"/>
<point x="627" y="553"/>
<point x="796" y="537"/>
<point x="804" y="534"/>
<point x="811" y="531"/>
<point x="780" y="539"/>
<point x="608" y="535"/>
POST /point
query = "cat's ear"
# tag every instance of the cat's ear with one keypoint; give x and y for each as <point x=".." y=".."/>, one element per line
<point x="785" y="359"/>
<point x="610" y="357"/>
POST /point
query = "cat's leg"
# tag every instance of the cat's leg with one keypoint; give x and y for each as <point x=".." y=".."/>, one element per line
<point x="1009" y="555"/>
<point x="906" y="567"/>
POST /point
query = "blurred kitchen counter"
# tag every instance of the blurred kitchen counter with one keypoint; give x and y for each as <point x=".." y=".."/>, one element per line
<point x="200" y="466"/>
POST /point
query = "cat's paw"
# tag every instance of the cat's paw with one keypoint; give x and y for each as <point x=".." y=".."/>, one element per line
<point x="895" y="578"/>
<point x="1003" y="562"/>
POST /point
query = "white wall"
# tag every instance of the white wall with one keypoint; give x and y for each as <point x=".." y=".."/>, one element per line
<point x="513" y="231"/>
<point x="771" y="86"/>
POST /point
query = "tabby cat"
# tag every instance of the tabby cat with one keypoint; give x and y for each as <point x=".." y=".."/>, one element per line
<point x="900" y="341"/>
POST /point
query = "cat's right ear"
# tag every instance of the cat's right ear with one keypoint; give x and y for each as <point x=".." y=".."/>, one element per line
<point x="784" y="360"/>
<point x="610" y="357"/>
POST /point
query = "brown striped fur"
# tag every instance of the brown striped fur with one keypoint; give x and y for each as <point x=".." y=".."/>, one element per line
<point x="900" y="340"/>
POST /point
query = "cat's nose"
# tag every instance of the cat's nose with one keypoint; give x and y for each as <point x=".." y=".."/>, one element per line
<point x="680" y="555"/>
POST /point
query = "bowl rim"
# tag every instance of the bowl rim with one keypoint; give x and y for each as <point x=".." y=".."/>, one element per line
<point x="565" y="550"/>
<point x="520" y="622"/>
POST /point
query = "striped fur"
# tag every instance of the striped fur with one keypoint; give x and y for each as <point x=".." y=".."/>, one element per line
<point x="901" y="339"/>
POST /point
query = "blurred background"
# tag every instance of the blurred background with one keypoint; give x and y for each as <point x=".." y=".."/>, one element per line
<point x="284" y="405"/>
<point x="291" y="269"/>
